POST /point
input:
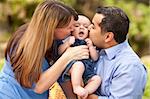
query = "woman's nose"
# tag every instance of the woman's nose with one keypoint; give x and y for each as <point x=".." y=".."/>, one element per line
<point x="72" y="28"/>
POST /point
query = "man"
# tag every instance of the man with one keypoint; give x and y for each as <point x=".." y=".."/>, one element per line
<point x="123" y="75"/>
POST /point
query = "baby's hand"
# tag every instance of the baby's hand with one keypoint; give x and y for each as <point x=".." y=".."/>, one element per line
<point x="89" y="42"/>
<point x="70" y="40"/>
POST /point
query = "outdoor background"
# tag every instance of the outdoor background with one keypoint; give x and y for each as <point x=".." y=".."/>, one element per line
<point x="14" y="13"/>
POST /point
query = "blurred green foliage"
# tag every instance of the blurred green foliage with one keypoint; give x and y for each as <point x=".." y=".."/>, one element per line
<point x="1" y="63"/>
<point x="147" y="89"/>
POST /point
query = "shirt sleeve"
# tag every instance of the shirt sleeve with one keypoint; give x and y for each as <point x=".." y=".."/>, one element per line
<point x="128" y="82"/>
<point x="4" y="96"/>
<point x="7" y="94"/>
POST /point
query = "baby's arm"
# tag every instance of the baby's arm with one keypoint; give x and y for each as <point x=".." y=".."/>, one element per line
<point x="69" y="41"/>
<point x="92" y="49"/>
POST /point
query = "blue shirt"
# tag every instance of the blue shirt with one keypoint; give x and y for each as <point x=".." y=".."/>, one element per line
<point x="123" y="74"/>
<point x="11" y="89"/>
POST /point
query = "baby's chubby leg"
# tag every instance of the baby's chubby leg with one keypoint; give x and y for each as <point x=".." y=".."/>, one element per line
<point x="76" y="72"/>
<point x="93" y="84"/>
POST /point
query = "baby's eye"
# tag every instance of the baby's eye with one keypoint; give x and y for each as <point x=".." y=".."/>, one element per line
<point x="76" y="25"/>
<point x="86" y="26"/>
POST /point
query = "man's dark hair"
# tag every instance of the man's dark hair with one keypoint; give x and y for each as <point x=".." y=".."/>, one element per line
<point x="116" y="21"/>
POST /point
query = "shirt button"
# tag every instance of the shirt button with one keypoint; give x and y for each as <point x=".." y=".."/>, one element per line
<point x="95" y="68"/>
<point x="101" y="57"/>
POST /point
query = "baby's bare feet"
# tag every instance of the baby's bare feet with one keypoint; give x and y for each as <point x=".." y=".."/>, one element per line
<point x="86" y="95"/>
<point x="81" y="92"/>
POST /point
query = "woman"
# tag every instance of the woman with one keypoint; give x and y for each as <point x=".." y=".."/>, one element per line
<point x="26" y="73"/>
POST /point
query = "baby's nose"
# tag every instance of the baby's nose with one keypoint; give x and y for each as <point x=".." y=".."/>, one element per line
<point x="81" y="26"/>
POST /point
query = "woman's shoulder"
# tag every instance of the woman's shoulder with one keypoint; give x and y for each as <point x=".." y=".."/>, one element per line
<point x="6" y="88"/>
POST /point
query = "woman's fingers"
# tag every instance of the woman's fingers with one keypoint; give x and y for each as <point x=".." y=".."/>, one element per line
<point x="78" y="52"/>
<point x="82" y="52"/>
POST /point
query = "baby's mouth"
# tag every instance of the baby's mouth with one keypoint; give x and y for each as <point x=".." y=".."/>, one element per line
<point x="81" y="33"/>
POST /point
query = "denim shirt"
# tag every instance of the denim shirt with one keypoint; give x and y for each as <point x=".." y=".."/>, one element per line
<point x="123" y="74"/>
<point x="11" y="89"/>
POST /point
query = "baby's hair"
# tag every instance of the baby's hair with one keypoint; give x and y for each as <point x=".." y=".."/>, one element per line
<point x="85" y="16"/>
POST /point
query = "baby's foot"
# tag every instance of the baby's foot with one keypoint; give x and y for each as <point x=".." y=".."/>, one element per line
<point x="85" y="97"/>
<point x="81" y="92"/>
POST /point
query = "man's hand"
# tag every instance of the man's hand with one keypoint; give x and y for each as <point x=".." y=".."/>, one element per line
<point x="92" y="96"/>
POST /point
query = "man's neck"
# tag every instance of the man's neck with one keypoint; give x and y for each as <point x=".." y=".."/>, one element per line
<point x="111" y="44"/>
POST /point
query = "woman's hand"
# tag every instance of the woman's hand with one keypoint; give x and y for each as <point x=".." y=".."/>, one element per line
<point x="77" y="53"/>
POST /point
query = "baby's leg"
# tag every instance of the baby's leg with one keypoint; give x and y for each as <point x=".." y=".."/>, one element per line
<point x="76" y="72"/>
<point x="93" y="84"/>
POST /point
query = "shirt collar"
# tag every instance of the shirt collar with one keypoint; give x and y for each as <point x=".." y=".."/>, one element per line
<point x="113" y="51"/>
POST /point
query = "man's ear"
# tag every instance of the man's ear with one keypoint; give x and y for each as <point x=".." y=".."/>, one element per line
<point x="109" y="36"/>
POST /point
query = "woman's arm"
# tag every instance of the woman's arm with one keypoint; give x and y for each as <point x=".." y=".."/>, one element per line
<point x="51" y="75"/>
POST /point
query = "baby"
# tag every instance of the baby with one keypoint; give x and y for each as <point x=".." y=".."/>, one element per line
<point x="82" y="68"/>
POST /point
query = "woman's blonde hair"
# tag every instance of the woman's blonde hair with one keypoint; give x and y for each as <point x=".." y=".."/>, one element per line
<point x="27" y="51"/>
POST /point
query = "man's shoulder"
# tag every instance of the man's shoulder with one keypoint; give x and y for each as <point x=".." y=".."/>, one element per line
<point x="128" y="57"/>
<point x="128" y="63"/>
